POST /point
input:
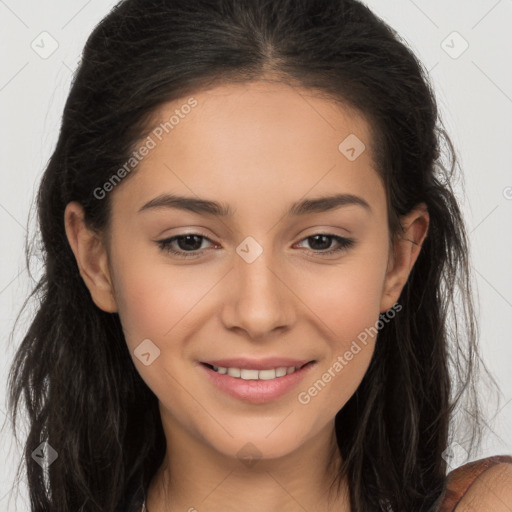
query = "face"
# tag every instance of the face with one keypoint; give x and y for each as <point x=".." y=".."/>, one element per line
<point x="275" y="281"/>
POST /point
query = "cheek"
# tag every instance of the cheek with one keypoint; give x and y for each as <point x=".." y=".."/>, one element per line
<point x="346" y="299"/>
<point x="154" y="299"/>
<point x="160" y="304"/>
<point x="156" y="305"/>
<point x="346" y="302"/>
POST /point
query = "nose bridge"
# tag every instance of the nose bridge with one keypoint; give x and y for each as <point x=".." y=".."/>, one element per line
<point x="258" y="301"/>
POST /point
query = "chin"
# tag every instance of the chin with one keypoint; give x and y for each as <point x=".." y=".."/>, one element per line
<point x="251" y="446"/>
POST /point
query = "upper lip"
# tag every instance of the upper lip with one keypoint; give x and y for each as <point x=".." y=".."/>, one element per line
<point x="257" y="364"/>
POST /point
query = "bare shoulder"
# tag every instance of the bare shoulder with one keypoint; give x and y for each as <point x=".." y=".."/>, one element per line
<point x="492" y="490"/>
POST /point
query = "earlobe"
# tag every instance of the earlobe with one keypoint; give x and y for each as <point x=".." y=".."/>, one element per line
<point x="406" y="249"/>
<point x="91" y="257"/>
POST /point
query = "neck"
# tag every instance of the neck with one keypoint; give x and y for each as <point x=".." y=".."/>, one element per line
<point x="193" y="477"/>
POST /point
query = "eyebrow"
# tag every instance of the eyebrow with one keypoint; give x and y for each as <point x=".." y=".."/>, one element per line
<point x="299" y="208"/>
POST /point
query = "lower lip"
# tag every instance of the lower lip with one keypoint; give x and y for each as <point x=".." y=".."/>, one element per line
<point x="257" y="391"/>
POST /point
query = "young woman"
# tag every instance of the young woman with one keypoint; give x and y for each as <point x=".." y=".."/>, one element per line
<point x="252" y="250"/>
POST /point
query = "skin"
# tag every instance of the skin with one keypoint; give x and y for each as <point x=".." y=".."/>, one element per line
<point x="258" y="147"/>
<point x="491" y="491"/>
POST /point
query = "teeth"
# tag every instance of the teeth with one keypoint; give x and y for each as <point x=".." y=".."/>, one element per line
<point x="234" y="372"/>
<point x="246" y="374"/>
<point x="266" y="374"/>
<point x="249" y="374"/>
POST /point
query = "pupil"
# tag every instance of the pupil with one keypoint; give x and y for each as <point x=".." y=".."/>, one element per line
<point x="315" y="239"/>
<point x="186" y="245"/>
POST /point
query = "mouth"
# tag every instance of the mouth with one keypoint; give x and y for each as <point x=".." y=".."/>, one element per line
<point x="276" y="372"/>
<point x="257" y="385"/>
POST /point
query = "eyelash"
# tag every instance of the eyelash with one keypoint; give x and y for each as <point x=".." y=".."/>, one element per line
<point x="165" y="245"/>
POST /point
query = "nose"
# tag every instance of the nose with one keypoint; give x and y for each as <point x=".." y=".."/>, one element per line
<point x="259" y="300"/>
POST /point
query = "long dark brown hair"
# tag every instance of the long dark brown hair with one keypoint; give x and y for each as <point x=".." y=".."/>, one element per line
<point x="81" y="390"/>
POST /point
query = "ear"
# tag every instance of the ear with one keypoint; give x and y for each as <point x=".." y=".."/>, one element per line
<point x="91" y="257"/>
<point x="406" y="249"/>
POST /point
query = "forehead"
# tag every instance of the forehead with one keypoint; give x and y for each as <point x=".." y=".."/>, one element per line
<point x="257" y="141"/>
<point x="253" y="113"/>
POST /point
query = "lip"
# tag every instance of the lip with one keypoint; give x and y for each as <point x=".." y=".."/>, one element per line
<point x="257" y="364"/>
<point x="257" y="391"/>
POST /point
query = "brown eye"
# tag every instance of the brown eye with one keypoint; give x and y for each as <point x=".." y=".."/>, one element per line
<point x="321" y="243"/>
<point x="188" y="244"/>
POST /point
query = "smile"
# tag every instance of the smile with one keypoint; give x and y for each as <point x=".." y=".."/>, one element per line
<point x="253" y="385"/>
<point x="251" y="374"/>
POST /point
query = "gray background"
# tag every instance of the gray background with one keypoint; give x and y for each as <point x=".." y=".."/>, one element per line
<point x="474" y="91"/>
